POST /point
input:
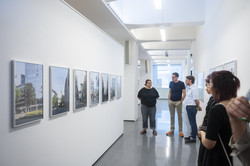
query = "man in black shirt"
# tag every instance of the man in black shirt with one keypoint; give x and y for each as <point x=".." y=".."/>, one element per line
<point x="175" y="98"/>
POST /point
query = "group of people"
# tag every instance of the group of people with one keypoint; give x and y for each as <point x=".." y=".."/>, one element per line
<point x="223" y="132"/>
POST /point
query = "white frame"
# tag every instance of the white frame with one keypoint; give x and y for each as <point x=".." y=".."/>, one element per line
<point x="13" y="105"/>
<point x="90" y="101"/>
<point x="50" y="91"/>
<point x="74" y="92"/>
<point x="102" y="86"/>
<point x="120" y="79"/>
<point x="111" y="77"/>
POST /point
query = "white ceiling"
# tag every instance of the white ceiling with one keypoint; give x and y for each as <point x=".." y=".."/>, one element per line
<point x="139" y="20"/>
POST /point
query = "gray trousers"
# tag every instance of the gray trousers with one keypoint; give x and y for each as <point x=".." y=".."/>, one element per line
<point x="148" y="112"/>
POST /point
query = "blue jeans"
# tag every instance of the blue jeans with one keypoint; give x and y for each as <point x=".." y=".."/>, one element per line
<point x="191" y="112"/>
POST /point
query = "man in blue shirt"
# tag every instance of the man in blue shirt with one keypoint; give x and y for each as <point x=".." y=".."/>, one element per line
<point x="175" y="99"/>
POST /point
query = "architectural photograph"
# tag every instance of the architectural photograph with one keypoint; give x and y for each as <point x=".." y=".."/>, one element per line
<point x="59" y="90"/>
<point x="28" y="92"/>
<point x="105" y="87"/>
<point x="119" y="87"/>
<point x="80" y="89"/>
<point x="94" y="88"/>
<point x="125" y="82"/>
<point x="112" y="87"/>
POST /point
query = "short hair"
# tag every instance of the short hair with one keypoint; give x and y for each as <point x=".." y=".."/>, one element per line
<point x="207" y="80"/>
<point x="175" y="74"/>
<point x="225" y="85"/>
<point x="147" y="81"/>
<point x="191" y="78"/>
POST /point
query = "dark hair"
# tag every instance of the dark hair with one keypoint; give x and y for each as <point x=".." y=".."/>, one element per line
<point x="191" y="78"/>
<point x="207" y="80"/>
<point x="147" y="81"/>
<point x="175" y="74"/>
<point x="225" y="85"/>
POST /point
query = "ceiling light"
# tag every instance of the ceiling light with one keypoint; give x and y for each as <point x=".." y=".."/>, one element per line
<point x="163" y="34"/>
<point x="158" y="4"/>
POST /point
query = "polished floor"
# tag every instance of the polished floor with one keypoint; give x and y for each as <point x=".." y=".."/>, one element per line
<point x="134" y="149"/>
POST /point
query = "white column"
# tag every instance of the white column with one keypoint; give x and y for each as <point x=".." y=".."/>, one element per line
<point x="130" y="102"/>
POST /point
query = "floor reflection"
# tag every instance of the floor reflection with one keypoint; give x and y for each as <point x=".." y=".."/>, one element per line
<point x="134" y="149"/>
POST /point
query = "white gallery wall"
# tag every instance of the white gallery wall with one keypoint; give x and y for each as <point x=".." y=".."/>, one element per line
<point x="50" y="33"/>
<point x="224" y="37"/>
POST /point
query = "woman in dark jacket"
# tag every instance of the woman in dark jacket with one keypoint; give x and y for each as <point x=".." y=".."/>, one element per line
<point x="223" y="86"/>
<point x="148" y="96"/>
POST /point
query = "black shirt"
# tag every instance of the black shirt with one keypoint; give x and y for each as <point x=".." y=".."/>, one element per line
<point x="202" y="150"/>
<point x="148" y="96"/>
<point x="176" y="90"/>
<point x="217" y="124"/>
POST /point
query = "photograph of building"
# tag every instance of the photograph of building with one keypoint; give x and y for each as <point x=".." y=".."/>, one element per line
<point x="59" y="90"/>
<point x="28" y="90"/>
<point x="80" y="89"/>
<point x="105" y="88"/>
<point x="94" y="88"/>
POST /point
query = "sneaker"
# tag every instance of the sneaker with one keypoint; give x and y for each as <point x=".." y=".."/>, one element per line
<point x="190" y="140"/>
<point x="181" y="134"/>
<point x="170" y="132"/>
<point x="187" y="137"/>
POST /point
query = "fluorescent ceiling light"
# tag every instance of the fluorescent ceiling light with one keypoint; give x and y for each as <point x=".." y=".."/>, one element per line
<point x="158" y="4"/>
<point x="163" y="34"/>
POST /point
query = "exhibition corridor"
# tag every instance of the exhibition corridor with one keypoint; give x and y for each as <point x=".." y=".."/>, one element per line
<point x="134" y="149"/>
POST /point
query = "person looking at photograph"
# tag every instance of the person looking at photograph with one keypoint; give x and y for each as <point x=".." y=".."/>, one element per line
<point x="148" y="96"/>
<point x="203" y="126"/>
<point x="215" y="139"/>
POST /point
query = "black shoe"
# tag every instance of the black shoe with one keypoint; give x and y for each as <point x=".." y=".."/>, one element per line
<point x="190" y="140"/>
<point x="187" y="137"/>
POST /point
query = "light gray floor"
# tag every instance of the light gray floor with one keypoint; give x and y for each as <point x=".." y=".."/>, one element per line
<point x="134" y="149"/>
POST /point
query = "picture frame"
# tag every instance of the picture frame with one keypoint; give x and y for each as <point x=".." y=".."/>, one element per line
<point x="119" y="87"/>
<point x="200" y="85"/>
<point x="105" y="87"/>
<point x="112" y="87"/>
<point x="59" y="90"/>
<point x="27" y="93"/>
<point x="94" y="88"/>
<point x="231" y="66"/>
<point x="80" y="89"/>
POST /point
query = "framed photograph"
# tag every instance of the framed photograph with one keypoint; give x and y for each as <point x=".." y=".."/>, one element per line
<point x="112" y="87"/>
<point x="231" y="66"/>
<point x="94" y="88"/>
<point x="105" y="88"/>
<point x="219" y="68"/>
<point x="119" y="87"/>
<point x="80" y="89"/>
<point x="200" y="83"/>
<point x="27" y="93"/>
<point x="211" y="70"/>
<point x="59" y="90"/>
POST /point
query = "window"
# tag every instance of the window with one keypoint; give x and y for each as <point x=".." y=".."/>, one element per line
<point x="162" y="74"/>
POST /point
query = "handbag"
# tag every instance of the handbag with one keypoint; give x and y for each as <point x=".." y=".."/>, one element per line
<point x="225" y="151"/>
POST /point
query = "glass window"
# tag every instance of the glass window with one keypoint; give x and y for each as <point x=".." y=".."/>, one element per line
<point x="162" y="74"/>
